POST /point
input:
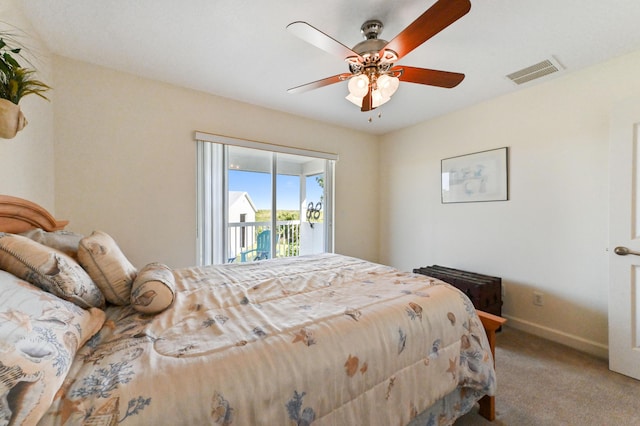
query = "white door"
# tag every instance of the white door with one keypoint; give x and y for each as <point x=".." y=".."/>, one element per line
<point x="624" y="235"/>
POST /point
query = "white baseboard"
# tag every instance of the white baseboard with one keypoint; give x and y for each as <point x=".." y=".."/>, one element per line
<point x="593" y="348"/>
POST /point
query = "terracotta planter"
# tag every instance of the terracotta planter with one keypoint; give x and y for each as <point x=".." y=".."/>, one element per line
<point x="12" y="120"/>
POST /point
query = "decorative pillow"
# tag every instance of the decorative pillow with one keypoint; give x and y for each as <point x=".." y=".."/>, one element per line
<point x="39" y="337"/>
<point x="49" y="269"/>
<point x="65" y="241"/>
<point x="154" y="289"/>
<point x="112" y="272"/>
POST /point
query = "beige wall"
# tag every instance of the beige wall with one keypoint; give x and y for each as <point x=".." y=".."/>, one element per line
<point x="551" y="236"/>
<point x="125" y="161"/>
<point x="26" y="161"/>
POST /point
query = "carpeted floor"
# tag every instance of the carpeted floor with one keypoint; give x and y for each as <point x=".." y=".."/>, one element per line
<point x="544" y="383"/>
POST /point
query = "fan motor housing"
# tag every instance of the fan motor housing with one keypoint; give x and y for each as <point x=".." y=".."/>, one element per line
<point x="369" y="48"/>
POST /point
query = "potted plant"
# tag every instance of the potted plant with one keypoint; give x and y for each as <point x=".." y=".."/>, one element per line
<point x="16" y="82"/>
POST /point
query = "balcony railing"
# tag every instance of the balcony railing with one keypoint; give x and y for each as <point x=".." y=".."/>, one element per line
<point x="243" y="240"/>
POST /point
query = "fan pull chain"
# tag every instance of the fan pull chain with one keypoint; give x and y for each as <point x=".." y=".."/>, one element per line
<point x="371" y="119"/>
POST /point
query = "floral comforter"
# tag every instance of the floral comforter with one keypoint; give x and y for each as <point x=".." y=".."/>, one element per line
<point x="322" y="340"/>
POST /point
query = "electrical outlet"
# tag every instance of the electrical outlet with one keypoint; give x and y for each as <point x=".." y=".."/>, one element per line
<point x="538" y="298"/>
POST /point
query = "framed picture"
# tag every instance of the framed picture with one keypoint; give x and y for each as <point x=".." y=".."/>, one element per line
<point x="481" y="176"/>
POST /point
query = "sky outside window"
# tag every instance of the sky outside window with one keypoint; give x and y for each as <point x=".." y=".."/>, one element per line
<point x="258" y="186"/>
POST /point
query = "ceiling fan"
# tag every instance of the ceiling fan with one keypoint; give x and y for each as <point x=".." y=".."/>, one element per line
<point x="373" y="76"/>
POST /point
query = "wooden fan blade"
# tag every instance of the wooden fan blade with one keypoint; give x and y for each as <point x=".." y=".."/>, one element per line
<point x="438" y="17"/>
<point x="314" y="36"/>
<point x="367" y="101"/>
<point x="430" y="77"/>
<point x="319" y="83"/>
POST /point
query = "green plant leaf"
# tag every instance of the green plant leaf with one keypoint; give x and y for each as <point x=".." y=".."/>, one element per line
<point x="4" y="68"/>
<point x="9" y="59"/>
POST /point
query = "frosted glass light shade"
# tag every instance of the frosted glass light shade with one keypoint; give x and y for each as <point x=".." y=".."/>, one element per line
<point x="388" y="85"/>
<point x="356" y="100"/>
<point x="377" y="99"/>
<point x="358" y="85"/>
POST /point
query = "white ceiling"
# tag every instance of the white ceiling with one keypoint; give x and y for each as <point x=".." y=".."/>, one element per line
<point x="240" y="49"/>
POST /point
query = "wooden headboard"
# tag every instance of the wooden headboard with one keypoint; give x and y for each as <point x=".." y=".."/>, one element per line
<point x="19" y="215"/>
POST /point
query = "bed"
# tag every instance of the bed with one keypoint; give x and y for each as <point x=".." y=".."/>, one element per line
<point x="323" y="340"/>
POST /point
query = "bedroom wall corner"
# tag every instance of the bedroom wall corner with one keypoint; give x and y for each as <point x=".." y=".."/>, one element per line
<point x="552" y="235"/>
<point x="27" y="160"/>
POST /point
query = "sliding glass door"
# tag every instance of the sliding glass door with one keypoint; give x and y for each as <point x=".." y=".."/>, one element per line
<point x="274" y="204"/>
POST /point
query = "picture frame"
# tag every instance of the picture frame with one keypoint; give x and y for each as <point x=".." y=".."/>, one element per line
<point x="477" y="177"/>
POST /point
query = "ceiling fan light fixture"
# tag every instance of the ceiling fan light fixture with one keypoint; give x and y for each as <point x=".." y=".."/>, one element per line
<point x="377" y="99"/>
<point x="387" y="85"/>
<point x="357" y="101"/>
<point x="358" y="85"/>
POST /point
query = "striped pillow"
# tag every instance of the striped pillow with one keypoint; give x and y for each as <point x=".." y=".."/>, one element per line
<point x="107" y="266"/>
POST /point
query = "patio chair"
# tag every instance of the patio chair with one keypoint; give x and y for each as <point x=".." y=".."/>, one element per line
<point x="263" y="247"/>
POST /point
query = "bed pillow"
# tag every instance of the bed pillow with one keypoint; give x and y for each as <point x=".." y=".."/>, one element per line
<point x="39" y="337"/>
<point x="65" y="241"/>
<point x="154" y="289"/>
<point x="109" y="268"/>
<point x="49" y="269"/>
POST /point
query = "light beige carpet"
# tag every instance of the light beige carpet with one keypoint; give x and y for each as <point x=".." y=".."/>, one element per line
<point x="544" y="383"/>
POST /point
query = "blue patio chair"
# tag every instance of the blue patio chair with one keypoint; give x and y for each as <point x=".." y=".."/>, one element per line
<point x="263" y="247"/>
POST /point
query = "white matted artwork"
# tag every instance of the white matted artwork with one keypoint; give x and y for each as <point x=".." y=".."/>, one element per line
<point x="481" y="176"/>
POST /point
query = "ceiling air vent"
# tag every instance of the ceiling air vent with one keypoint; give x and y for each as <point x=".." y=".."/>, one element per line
<point x="546" y="67"/>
